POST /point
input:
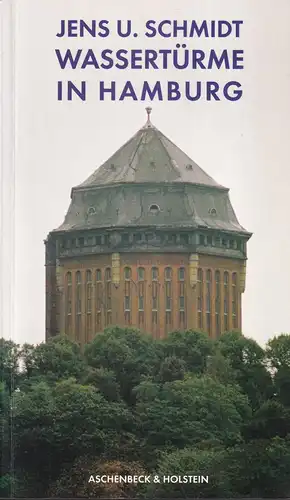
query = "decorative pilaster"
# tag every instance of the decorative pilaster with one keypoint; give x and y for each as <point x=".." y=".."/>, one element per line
<point x="116" y="269"/>
<point x="243" y="273"/>
<point x="193" y="267"/>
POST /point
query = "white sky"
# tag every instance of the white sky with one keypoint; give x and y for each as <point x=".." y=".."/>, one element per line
<point x="242" y="145"/>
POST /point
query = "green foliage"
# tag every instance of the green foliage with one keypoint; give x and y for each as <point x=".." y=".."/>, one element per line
<point x="260" y="468"/>
<point x="270" y="420"/>
<point x="278" y="356"/>
<point x="172" y="368"/>
<point x="248" y="362"/>
<point x="79" y="481"/>
<point x="6" y="477"/>
<point x="191" y="347"/>
<point x="105" y="380"/>
<point x="219" y="368"/>
<point x="278" y="351"/>
<point x="192" y="462"/>
<point x="10" y="353"/>
<point x="128" y="353"/>
<point x="185" y="413"/>
<point x="184" y="405"/>
<point x="58" y="359"/>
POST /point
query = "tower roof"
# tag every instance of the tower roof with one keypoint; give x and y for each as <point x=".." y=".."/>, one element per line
<point x="149" y="156"/>
<point x="150" y="182"/>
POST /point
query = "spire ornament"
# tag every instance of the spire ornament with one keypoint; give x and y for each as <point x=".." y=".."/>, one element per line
<point x="148" y="111"/>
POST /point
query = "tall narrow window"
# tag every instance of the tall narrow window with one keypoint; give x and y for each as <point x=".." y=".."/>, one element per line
<point x="181" y="285"/>
<point x="78" y="304"/>
<point x="154" y="287"/>
<point x="88" y="305"/>
<point x="208" y="301"/>
<point x="68" y="312"/>
<point x="168" y="297"/>
<point x="127" y="295"/>
<point x="200" y="297"/>
<point x="234" y="300"/>
<point x="108" y="296"/>
<point x="99" y="302"/>
<point x="141" y="295"/>
<point x="218" y="302"/>
<point x="226" y="301"/>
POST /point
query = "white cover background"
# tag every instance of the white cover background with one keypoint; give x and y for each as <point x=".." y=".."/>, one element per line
<point x="243" y="145"/>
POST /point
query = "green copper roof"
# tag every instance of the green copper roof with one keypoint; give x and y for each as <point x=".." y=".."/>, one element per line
<point x="150" y="182"/>
<point x="149" y="156"/>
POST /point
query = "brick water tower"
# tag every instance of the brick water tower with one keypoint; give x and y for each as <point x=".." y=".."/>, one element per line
<point x="149" y="240"/>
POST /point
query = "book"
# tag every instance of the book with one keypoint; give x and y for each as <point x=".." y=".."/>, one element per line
<point x="144" y="248"/>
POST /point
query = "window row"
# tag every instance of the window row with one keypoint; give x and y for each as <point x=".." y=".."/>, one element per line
<point x="126" y="239"/>
<point x="221" y="242"/>
<point x="220" y="286"/>
<point x="172" y="238"/>
<point x="106" y="275"/>
<point x="224" y="290"/>
<point x="154" y="273"/>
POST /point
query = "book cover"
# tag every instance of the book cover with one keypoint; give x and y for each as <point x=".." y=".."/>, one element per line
<point x="145" y="254"/>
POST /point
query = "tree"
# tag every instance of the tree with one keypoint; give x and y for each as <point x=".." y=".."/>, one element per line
<point x="191" y="347"/>
<point x="272" y="419"/>
<point x="219" y="368"/>
<point x="278" y="356"/>
<point x="248" y="362"/>
<point x="186" y="412"/>
<point x="278" y="351"/>
<point x="191" y="462"/>
<point x="9" y="363"/>
<point x="172" y="368"/>
<point x="127" y="353"/>
<point x="54" y="425"/>
<point x="105" y="381"/>
<point x="79" y="481"/>
<point x="260" y="468"/>
<point x="6" y="466"/>
<point x="282" y="385"/>
<point x="57" y="359"/>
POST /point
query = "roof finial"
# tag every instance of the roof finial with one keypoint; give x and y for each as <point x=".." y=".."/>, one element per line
<point x="148" y="110"/>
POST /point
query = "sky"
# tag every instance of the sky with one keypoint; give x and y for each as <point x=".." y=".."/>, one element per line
<point x="243" y="145"/>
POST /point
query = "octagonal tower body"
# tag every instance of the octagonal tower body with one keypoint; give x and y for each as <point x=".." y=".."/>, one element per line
<point x="149" y="240"/>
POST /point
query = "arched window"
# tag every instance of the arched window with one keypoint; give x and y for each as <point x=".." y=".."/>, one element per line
<point x="141" y="295"/>
<point x="88" y="304"/>
<point x="99" y="300"/>
<point x="154" y="273"/>
<point x="181" y="274"/>
<point x="226" y="301"/>
<point x="168" y="297"/>
<point x="68" y="295"/>
<point x="200" y="297"/>
<point x="78" y="304"/>
<point x="218" y="302"/>
<point x="234" y="300"/>
<point x="181" y="285"/>
<point x="127" y="273"/>
<point x="208" y="301"/>
<point x="141" y="273"/>
<point x="155" y="290"/>
<point x="127" y="295"/>
<point x="108" y="274"/>
<point x="168" y="273"/>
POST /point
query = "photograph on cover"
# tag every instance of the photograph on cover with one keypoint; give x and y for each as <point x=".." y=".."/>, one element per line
<point x="148" y="351"/>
